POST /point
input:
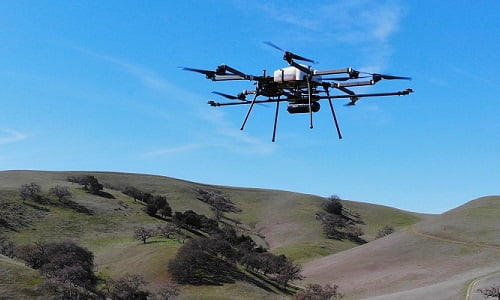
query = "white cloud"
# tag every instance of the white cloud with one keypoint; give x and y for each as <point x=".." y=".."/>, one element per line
<point x="172" y="150"/>
<point x="11" y="136"/>
<point x="366" y="25"/>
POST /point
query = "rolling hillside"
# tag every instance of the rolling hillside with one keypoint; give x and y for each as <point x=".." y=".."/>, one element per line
<point x="447" y="256"/>
<point x="284" y="222"/>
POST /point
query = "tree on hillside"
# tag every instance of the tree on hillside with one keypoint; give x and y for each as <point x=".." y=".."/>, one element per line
<point x="318" y="292"/>
<point x="137" y="194"/>
<point x="67" y="267"/>
<point x="158" y="204"/>
<point x="133" y="192"/>
<point x="386" y="230"/>
<point x="203" y="260"/>
<point x="218" y="203"/>
<point x="30" y="191"/>
<point x="333" y="205"/>
<point x="338" y="222"/>
<point x="128" y="287"/>
<point x="91" y="184"/>
<point x="169" y="230"/>
<point x="493" y="292"/>
<point x="143" y="234"/>
<point x="188" y="219"/>
<point x="287" y="271"/>
<point x="60" y="192"/>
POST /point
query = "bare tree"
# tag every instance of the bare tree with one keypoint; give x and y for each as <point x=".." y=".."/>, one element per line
<point x="60" y="192"/>
<point x="30" y="191"/>
<point x="143" y="233"/>
<point x="493" y="292"/>
<point x="169" y="230"/>
<point x="128" y="287"/>
<point x="288" y="271"/>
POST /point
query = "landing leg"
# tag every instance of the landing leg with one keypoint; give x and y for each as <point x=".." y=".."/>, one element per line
<point x="276" y="119"/>
<point x="310" y="96"/>
<point x="333" y="113"/>
<point x="249" y="110"/>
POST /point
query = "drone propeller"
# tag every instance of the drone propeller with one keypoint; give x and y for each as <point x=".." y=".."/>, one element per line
<point x="289" y="56"/>
<point x="377" y="76"/>
<point x="208" y="73"/>
<point x="240" y="96"/>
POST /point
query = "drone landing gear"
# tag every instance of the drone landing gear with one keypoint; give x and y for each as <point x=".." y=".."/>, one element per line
<point x="276" y="119"/>
<point x="249" y="111"/>
<point x="333" y="113"/>
<point x="309" y="92"/>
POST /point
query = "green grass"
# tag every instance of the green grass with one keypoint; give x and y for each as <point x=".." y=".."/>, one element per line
<point x="305" y="252"/>
<point x="17" y="281"/>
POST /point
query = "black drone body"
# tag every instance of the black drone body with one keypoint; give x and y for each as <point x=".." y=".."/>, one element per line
<point x="300" y="85"/>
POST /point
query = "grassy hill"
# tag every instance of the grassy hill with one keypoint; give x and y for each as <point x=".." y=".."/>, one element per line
<point x="285" y="222"/>
<point x="443" y="257"/>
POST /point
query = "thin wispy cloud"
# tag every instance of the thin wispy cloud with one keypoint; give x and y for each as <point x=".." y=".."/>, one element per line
<point x="172" y="150"/>
<point x="8" y="136"/>
<point x="223" y="135"/>
<point x="231" y="137"/>
<point x="145" y="75"/>
<point x="367" y="25"/>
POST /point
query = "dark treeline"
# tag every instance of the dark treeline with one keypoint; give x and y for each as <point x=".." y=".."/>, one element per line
<point x="213" y="259"/>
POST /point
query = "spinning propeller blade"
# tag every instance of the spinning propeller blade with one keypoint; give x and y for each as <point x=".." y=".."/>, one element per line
<point x="289" y="55"/>
<point x="274" y="46"/>
<point x="226" y="95"/>
<point x="239" y="97"/>
<point x="377" y="76"/>
<point x="206" y="72"/>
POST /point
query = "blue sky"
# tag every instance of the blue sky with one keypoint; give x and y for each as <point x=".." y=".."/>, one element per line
<point x="97" y="86"/>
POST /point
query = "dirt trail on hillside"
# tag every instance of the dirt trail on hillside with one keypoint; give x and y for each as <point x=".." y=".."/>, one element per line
<point x="416" y="231"/>
<point x="406" y="265"/>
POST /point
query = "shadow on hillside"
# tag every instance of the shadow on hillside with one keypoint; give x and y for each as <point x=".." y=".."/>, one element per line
<point x="76" y="207"/>
<point x="271" y="282"/>
<point x="37" y="207"/>
<point x="228" y="274"/>
<point x="103" y="194"/>
<point x="66" y="204"/>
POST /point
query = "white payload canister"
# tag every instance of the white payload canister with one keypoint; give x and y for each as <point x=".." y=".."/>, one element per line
<point x="292" y="74"/>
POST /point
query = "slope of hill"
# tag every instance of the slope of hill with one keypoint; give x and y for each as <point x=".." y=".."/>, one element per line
<point x="283" y="221"/>
<point x="17" y="281"/>
<point x="438" y="258"/>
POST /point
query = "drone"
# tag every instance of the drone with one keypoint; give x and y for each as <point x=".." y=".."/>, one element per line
<point x="300" y="85"/>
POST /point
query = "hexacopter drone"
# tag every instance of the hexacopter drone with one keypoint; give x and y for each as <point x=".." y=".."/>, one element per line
<point x="300" y="85"/>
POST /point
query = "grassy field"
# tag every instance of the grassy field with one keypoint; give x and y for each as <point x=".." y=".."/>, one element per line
<point x="285" y="222"/>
